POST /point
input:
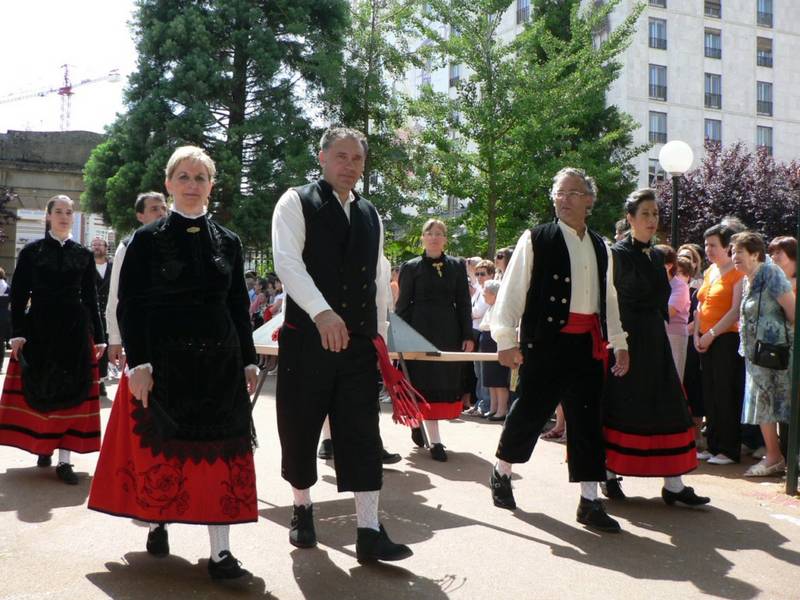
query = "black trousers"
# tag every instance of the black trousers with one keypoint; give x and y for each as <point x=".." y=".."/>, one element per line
<point x="313" y="383"/>
<point x="562" y="372"/>
<point x="723" y="394"/>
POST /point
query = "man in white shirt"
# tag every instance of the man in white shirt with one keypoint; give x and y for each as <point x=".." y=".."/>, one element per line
<point x="566" y="307"/>
<point x="149" y="207"/>
<point x="327" y="243"/>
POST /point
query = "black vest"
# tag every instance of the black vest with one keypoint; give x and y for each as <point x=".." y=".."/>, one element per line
<point x="341" y="257"/>
<point x="550" y="291"/>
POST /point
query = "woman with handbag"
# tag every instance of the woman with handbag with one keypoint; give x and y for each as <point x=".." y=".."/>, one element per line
<point x="767" y="312"/>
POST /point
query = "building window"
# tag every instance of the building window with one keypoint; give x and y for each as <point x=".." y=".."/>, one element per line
<point x="658" y="127"/>
<point x="523" y="11"/>
<point x="764" y="98"/>
<point x="764" y="52"/>
<point x="764" y="16"/>
<point x="713" y="8"/>
<point x="659" y="3"/>
<point x="426" y="72"/>
<point x="455" y="74"/>
<point x="713" y="43"/>
<point x="658" y="34"/>
<point x="713" y="131"/>
<point x="713" y="91"/>
<point x="764" y="138"/>
<point x="655" y="173"/>
<point x="658" y="82"/>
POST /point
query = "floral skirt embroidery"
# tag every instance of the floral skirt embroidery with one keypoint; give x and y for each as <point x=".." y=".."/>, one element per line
<point x="131" y="482"/>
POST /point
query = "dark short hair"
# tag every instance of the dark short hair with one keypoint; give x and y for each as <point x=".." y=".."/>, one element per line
<point x="723" y="231"/>
<point x="670" y="257"/>
<point x="685" y="266"/>
<point x="752" y="242"/>
<point x="621" y="226"/>
<point x="334" y="134"/>
<point x="786" y="243"/>
<point x="635" y="199"/>
<point x="487" y="265"/>
<point x="139" y="204"/>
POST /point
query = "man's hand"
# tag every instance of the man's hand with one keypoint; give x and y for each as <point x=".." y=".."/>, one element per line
<point x="116" y="355"/>
<point x="511" y="358"/>
<point x="468" y="346"/>
<point x="99" y="350"/>
<point x="622" y="362"/>
<point x="16" y="346"/>
<point x="332" y="331"/>
<point x="251" y="377"/>
<point x="140" y="383"/>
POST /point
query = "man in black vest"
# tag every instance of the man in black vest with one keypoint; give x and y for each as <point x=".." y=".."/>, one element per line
<point x="327" y="243"/>
<point x="560" y="285"/>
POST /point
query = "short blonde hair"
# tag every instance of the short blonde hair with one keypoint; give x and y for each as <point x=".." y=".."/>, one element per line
<point x="431" y="223"/>
<point x="192" y="153"/>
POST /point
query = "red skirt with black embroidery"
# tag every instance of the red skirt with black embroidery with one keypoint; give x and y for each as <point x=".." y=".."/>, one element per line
<point x="132" y="482"/>
<point x="657" y="455"/>
<point x="76" y="428"/>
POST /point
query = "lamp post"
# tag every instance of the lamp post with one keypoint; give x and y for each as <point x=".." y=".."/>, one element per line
<point x="675" y="158"/>
<point x="794" y="419"/>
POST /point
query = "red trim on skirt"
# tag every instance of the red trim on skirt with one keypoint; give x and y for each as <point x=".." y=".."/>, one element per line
<point x="76" y="429"/>
<point x="661" y="455"/>
<point x="130" y="482"/>
<point x="441" y="411"/>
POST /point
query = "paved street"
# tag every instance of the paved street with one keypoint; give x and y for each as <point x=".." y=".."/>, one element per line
<point x="746" y="545"/>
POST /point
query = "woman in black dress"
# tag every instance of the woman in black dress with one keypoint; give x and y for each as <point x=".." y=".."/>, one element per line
<point x="647" y="427"/>
<point x="434" y="299"/>
<point x="50" y="397"/>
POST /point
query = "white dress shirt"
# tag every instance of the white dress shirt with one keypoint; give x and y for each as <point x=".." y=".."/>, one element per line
<point x="113" y="289"/>
<point x="479" y="308"/>
<point x="288" y="241"/>
<point x="585" y="296"/>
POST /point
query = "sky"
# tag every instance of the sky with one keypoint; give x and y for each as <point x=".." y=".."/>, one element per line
<point x="38" y="36"/>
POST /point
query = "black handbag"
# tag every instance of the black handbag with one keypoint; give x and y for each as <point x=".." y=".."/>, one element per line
<point x="770" y="356"/>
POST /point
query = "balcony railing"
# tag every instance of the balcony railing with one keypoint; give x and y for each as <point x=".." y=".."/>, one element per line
<point x="713" y="52"/>
<point x="713" y="100"/>
<point x="658" y="92"/>
<point x="658" y="137"/>
<point x="764" y="107"/>
<point x="658" y="42"/>
<point x="713" y="9"/>
<point x="523" y="14"/>
<point x="764" y="19"/>
<point x="764" y="60"/>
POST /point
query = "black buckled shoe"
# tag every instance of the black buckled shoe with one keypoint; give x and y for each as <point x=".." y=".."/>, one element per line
<point x="325" y="451"/>
<point x="686" y="497"/>
<point x="438" y="453"/>
<point x="612" y="489"/>
<point x="390" y="458"/>
<point x="301" y="533"/>
<point x="502" y="494"/>
<point x="374" y="545"/>
<point x="158" y="541"/>
<point x="66" y="474"/>
<point x="227" y="569"/>
<point x="44" y="460"/>
<point x="416" y="437"/>
<point x="592" y="514"/>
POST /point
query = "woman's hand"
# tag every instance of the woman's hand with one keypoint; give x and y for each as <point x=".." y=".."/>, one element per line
<point x="16" y="346"/>
<point x="140" y="383"/>
<point x="251" y="377"/>
<point x="468" y="346"/>
<point x="705" y="341"/>
<point x="622" y="363"/>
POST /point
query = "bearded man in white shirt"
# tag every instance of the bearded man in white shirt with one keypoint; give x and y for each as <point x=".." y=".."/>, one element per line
<point x="559" y="289"/>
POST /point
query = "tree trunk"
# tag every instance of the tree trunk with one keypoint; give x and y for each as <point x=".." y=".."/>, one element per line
<point x="236" y="121"/>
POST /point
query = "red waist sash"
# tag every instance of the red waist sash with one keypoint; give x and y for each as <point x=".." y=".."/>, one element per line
<point x="581" y="323"/>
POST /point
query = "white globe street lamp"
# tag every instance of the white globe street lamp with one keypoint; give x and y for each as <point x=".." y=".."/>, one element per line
<point x="676" y="158"/>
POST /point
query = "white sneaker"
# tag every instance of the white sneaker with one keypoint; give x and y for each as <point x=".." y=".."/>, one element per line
<point x="704" y="455"/>
<point x="720" y="459"/>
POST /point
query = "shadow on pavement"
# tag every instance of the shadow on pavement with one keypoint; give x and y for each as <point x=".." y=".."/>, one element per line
<point x="140" y="575"/>
<point x="460" y="466"/>
<point x="33" y="492"/>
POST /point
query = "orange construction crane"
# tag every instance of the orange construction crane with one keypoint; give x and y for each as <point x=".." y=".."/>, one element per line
<point x="64" y="90"/>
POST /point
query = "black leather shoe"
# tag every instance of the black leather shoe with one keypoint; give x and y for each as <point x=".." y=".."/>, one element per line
<point x="103" y="393"/>
<point x="390" y="458"/>
<point x="686" y="497"/>
<point x="416" y="437"/>
<point x="592" y="514"/>
<point x="158" y="541"/>
<point x="228" y="568"/>
<point x="301" y="533"/>
<point x="375" y="545"/>
<point x="44" y="460"/>
<point x="66" y="474"/>
<point x="502" y="494"/>
<point x="438" y="453"/>
<point x="325" y="451"/>
<point x="612" y="489"/>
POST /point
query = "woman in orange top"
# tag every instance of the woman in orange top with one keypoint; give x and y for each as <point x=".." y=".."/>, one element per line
<point x="716" y="338"/>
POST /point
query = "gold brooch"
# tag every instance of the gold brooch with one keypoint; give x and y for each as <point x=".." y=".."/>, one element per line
<point x="192" y="230"/>
<point x="438" y="266"/>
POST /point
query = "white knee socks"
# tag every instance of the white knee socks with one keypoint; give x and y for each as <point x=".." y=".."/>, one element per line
<point x="367" y="509"/>
<point x="326" y="429"/>
<point x="503" y="467"/>
<point x="219" y="535"/>
<point x="589" y="490"/>
<point x="154" y="526"/>
<point x="673" y="484"/>
<point x="432" y="427"/>
<point x="64" y="456"/>
<point x="302" y="497"/>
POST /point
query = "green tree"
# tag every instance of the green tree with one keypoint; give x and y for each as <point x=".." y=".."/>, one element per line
<point x="525" y="109"/>
<point x="234" y="77"/>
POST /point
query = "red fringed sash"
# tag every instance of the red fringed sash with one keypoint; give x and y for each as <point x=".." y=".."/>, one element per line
<point x="405" y="398"/>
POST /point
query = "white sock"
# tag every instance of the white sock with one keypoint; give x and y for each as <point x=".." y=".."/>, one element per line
<point x="367" y="509"/>
<point x="673" y="484"/>
<point x="219" y="535"/>
<point x="503" y="467"/>
<point x="432" y="427"/>
<point x="589" y="490"/>
<point x="326" y="428"/>
<point x="302" y="497"/>
<point x="154" y="526"/>
<point x="610" y="474"/>
<point x="64" y="456"/>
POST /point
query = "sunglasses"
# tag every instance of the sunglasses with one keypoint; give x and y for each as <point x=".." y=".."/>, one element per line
<point x="481" y="273"/>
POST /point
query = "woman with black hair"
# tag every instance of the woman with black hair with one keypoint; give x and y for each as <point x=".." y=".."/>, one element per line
<point x="647" y="426"/>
